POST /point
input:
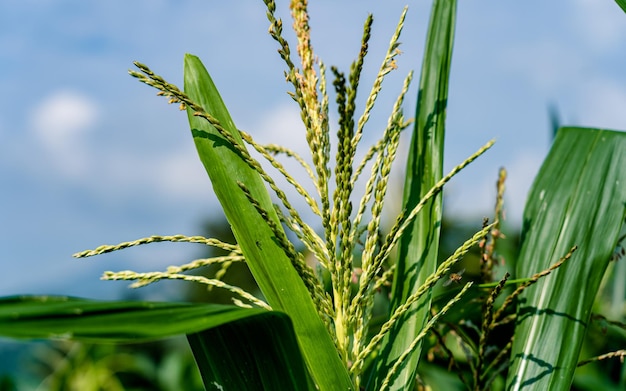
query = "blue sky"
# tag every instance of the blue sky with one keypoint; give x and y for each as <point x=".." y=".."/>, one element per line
<point x="89" y="156"/>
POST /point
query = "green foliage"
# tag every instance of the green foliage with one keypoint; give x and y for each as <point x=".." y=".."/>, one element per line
<point x="580" y="202"/>
<point x="95" y="321"/>
<point x="275" y="362"/>
<point x="318" y="324"/>
<point x="228" y="165"/>
<point x="65" y="365"/>
<point x="418" y="248"/>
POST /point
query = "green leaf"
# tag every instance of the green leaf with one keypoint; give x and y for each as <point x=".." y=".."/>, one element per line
<point x="237" y="348"/>
<point x="44" y="317"/>
<point x="578" y="198"/>
<point x="622" y="4"/>
<point x="417" y="258"/>
<point x="272" y="269"/>
<point x="255" y="353"/>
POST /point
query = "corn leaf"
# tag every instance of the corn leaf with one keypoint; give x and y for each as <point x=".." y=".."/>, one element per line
<point x="49" y="317"/>
<point x="417" y="258"/>
<point x="578" y="198"/>
<point x="255" y="353"/>
<point x="272" y="269"/>
<point x="260" y="345"/>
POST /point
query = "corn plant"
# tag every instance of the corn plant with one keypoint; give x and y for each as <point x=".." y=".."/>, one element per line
<point x="314" y="326"/>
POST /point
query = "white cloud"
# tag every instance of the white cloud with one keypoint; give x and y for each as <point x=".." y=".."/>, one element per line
<point x="168" y="176"/>
<point x="59" y="123"/>
<point x="181" y="175"/>
<point x="282" y="125"/>
<point x="62" y="116"/>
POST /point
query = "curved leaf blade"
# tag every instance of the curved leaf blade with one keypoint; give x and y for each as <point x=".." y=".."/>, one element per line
<point x="578" y="198"/>
<point x="272" y="269"/>
<point x="46" y="317"/>
<point x="417" y="257"/>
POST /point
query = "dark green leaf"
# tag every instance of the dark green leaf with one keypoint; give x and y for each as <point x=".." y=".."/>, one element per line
<point x="255" y="353"/>
<point x="44" y="317"/>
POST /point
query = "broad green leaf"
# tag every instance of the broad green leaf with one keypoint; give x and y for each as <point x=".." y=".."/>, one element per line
<point x="272" y="269"/>
<point x="255" y="353"/>
<point x="578" y="198"/>
<point x="417" y="258"/>
<point x="622" y="4"/>
<point x="43" y="317"/>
